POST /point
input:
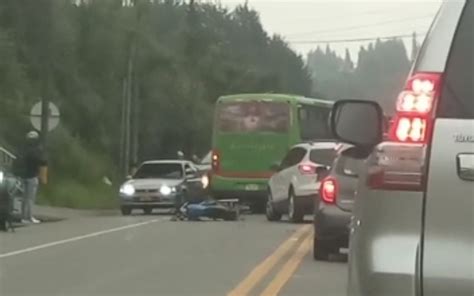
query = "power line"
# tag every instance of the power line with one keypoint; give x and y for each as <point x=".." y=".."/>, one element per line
<point x="378" y="12"/>
<point x="341" y="29"/>
<point x="354" y="39"/>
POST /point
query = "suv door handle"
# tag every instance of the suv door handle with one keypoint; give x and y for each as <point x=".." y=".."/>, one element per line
<point x="465" y="164"/>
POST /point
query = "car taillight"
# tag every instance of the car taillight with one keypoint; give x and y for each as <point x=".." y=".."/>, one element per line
<point x="307" y="169"/>
<point x="216" y="160"/>
<point x="329" y="190"/>
<point x="400" y="163"/>
<point x="415" y="105"/>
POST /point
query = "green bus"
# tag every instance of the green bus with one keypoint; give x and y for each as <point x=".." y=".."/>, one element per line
<point x="252" y="132"/>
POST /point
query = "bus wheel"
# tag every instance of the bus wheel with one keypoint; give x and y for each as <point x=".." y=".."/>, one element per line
<point x="270" y="211"/>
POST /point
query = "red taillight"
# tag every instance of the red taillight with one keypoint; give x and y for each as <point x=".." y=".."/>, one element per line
<point x="307" y="169"/>
<point x="410" y="129"/>
<point x="400" y="163"/>
<point x="415" y="106"/>
<point x="329" y="190"/>
<point x="216" y="160"/>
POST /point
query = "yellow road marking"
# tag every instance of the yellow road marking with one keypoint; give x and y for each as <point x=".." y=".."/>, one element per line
<point x="288" y="269"/>
<point x="257" y="274"/>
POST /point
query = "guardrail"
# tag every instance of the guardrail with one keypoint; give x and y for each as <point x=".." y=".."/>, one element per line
<point x="6" y="158"/>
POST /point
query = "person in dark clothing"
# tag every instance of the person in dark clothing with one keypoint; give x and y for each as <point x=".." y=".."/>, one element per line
<point x="32" y="169"/>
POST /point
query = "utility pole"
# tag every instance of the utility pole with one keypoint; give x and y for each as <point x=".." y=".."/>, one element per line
<point x="47" y="73"/>
<point x="130" y="102"/>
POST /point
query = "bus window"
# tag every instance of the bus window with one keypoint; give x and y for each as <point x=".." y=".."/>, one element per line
<point x="253" y="117"/>
<point x="313" y="122"/>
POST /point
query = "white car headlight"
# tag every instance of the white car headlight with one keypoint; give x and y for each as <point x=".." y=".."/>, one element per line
<point x="205" y="181"/>
<point x="127" y="189"/>
<point x="2" y="177"/>
<point x="166" y="190"/>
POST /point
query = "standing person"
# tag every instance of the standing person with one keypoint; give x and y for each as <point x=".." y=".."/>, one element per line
<point x="32" y="169"/>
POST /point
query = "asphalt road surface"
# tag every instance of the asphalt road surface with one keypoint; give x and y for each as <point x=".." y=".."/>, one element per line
<point x="150" y="255"/>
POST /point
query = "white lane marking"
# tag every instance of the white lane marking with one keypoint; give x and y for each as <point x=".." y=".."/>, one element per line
<point x="77" y="238"/>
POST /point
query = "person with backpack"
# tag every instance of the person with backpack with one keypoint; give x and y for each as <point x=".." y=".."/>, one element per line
<point x="31" y="166"/>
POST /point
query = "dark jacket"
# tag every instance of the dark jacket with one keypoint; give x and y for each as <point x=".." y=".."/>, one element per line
<point x="29" y="162"/>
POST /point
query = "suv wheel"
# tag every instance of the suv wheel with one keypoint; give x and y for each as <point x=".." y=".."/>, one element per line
<point x="147" y="211"/>
<point x="295" y="212"/>
<point x="126" y="211"/>
<point x="270" y="211"/>
<point x="320" y="250"/>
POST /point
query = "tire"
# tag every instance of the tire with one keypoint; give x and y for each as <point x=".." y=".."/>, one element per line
<point x="126" y="211"/>
<point x="270" y="212"/>
<point x="321" y="250"/>
<point x="147" y="211"/>
<point x="295" y="212"/>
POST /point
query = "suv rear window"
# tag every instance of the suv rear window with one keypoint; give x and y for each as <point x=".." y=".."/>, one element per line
<point x="323" y="156"/>
<point x="457" y="100"/>
<point x="348" y="166"/>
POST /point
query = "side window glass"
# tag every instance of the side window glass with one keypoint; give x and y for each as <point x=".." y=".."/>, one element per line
<point x="297" y="156"/>
<point x="313" y="123"/>
<point x="286" y="161"/>
<point x="457" y="97"/>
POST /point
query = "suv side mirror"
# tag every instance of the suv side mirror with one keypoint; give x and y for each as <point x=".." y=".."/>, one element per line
<point x="322" y="172"/>
<point x="360" y="123"/>
<point x="190" y="173"/>
<point x="129" y="177"/>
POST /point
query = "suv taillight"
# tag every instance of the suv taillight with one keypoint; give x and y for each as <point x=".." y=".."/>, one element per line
<point x="307" y="169"/>
<point x="415" y="107"/>
<point x="216" y="160"/>
<point x="400" y="163"/>
<point x="329" y="190"/>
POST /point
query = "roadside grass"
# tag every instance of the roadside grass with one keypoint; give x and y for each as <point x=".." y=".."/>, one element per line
<point x="71" y="194"/>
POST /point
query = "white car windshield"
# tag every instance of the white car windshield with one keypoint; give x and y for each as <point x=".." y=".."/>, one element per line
<point x="159" y="171"/>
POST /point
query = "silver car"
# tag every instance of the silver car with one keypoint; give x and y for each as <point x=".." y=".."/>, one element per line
<point x="412" y="229"/>
<point x="161" y="184"/>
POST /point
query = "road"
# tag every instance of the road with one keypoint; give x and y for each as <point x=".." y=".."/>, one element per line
<point x="150" y="255"/>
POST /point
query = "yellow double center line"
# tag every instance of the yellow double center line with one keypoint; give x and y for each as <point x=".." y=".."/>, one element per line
<point x="302" y="236"/>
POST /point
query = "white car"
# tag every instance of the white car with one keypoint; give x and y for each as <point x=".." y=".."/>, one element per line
<point x="294" y="187"/>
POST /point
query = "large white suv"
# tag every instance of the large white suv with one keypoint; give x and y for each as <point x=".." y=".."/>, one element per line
<point x="412" y="231"/>
<point x="294" y="186"/>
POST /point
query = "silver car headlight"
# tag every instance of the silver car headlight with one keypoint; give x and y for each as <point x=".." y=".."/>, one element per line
<point x="167" y="190"/>
<point x="127" y="189"/>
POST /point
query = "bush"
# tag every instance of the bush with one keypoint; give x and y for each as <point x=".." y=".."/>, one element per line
<point x="77" y="174"/>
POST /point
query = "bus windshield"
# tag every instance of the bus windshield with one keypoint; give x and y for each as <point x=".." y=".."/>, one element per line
<point x="254" y="116"/>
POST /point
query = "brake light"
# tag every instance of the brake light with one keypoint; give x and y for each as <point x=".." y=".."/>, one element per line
<point x="415" y="106"/>
<point x="410" y="129"/>
<point x="307" y="169"/>
<point x="216" y="160"/>
<point x="329" y="190"/>
<point x="400" y="163"/>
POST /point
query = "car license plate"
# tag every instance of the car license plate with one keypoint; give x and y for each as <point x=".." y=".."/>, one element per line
<point x="251" y="187"/>
<point x="146" y="198"/>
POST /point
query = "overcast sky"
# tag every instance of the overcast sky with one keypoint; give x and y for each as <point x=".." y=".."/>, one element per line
<point x="300" y="21"/>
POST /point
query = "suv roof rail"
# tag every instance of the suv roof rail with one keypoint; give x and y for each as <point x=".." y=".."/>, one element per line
<point x="319" y="141"/>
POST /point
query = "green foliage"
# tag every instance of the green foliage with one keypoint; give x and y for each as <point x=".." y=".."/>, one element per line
<point x="379" y="75"/>
<point x="187" y="55"/>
